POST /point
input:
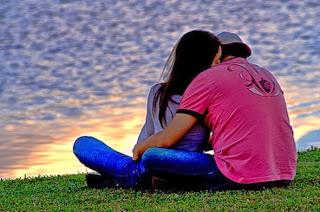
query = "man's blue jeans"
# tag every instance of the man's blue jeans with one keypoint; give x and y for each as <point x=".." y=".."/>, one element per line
<point x="131" y="174"/>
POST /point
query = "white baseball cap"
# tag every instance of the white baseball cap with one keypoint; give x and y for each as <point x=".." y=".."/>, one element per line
<point x="230" y="38"/>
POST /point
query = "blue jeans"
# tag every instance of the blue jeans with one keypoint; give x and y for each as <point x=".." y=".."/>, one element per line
<point x="131" y="174"/>
<point x="185" y="163"/>
<point x="98" y="156"/>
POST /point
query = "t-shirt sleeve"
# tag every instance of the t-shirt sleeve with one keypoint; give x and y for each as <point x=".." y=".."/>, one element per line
<point x="196" y="98"/>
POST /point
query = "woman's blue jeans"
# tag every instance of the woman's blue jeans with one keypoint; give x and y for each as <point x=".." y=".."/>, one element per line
<point x="131" y="174"/>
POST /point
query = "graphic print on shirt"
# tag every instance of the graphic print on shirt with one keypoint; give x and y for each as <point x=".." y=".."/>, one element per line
<point x="258" y="80"/>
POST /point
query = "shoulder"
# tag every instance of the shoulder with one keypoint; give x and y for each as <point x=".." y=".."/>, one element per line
<point x="210" y="75"/>
<point x="154" y="88"/>
<point x="202" y="81"/>
<point x="216" y="74"/>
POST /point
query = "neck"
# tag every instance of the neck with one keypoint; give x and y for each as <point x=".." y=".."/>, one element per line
<point x="229" y="57"/>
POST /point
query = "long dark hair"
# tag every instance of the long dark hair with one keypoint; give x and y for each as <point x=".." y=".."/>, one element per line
<point x="193" y="54"/>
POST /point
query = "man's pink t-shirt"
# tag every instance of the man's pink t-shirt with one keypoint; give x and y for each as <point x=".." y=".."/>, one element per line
<point x="244" y="106"/>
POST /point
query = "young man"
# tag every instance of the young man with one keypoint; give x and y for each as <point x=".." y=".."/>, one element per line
<point x="244" y="106"/>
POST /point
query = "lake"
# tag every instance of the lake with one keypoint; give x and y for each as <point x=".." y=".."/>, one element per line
<point x="79" y="67"/>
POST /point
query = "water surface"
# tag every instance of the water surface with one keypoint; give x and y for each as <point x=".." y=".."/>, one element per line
<point x="79" y="67"/>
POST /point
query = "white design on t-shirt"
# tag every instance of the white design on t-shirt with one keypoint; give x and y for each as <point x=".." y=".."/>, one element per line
<point x="259" y="81"/>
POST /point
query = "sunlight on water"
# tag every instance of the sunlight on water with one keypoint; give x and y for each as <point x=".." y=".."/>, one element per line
<point x="54" y="153"/>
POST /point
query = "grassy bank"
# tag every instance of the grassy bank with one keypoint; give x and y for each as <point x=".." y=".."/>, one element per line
<point x="69" y="193"/>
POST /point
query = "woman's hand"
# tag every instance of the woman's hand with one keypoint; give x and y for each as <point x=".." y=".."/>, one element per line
<point x="141" y="147"/>
<point x="137" y="151"/>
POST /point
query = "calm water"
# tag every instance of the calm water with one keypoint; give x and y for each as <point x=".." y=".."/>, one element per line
<point x="70" y="68"/>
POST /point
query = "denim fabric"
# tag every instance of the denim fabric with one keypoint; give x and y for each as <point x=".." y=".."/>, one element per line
<point x="98" y="156"/>
<point x="185" y="163"/>
<point x="131" y="174"/>
<point x="179" y="161"/>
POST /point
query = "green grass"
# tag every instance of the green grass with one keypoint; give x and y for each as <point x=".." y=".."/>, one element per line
<point x="69" y="193"/>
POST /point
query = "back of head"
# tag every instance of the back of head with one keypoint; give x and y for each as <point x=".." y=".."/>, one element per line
<point x="232" y="45"/>
<point x="193" y="54"/>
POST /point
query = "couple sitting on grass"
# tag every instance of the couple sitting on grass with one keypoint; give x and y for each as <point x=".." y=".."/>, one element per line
<point x="213" y="97"/>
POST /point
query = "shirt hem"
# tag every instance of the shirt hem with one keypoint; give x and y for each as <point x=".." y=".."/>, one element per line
<point x="245" y="180"/>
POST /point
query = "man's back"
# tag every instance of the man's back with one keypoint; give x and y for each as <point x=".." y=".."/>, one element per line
<point x="245" y="108"/>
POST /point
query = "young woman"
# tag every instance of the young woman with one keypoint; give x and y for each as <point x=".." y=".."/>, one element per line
<point x="195" y="52"/>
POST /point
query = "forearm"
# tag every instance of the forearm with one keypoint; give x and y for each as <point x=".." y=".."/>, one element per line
<point x="178" y="127"/>
<point x="156" y="140"/>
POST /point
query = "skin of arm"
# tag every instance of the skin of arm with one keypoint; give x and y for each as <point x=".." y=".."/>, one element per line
<point x="178" y="127"/>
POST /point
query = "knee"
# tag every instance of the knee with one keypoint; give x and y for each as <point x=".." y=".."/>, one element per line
<point x="151" y="155"/>
<point x="151" y="152"/>
<point x="80" y="144"/>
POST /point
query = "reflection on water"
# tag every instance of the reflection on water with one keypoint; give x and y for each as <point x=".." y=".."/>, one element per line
<point x="33" y="149"/>
<point x="71" y="68"/>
